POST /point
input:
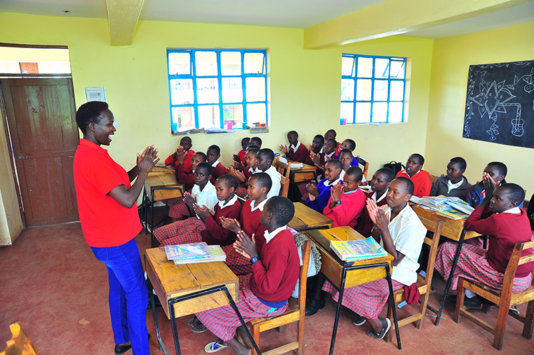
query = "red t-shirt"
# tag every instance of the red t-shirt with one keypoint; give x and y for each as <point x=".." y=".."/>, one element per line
<point x="187" y="161"/>
<point x="105" y="223"/>
<point x="421" y="182"/>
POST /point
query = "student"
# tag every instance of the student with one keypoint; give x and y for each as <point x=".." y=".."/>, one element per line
<point x="454" y="183"/>
<point x="264" y="292"/>
<point x="379" y="189"/>
<point x="242" y="176"/>
<point x="402" y="234"/>
<point x="506" y="225"/>
<point x="316" y="148"/>
<point x="265" y="164"/>
<point x="329" y="153"/>
<point x="213" y="154"/>
<point x="242" y="153"/>
<point x="203" y="193"/>
<point x="496" y="171"/>
<point x="207" y="227"/>
<point x="319" y="194"/>
<point x="331" y="134"/>
<point x="346" y="201"/>
<point x="347" y="159"/>
<point x="255" y="141"/>
<point x="350" y="145"/>
<point x="258" y="186"/>
<point x="420" y="178"/>
<point x="296" y="151"/>
<point x="187" y="178"/>
<point x="185" y="146"/>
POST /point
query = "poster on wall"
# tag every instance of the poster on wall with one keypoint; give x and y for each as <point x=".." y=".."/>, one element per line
<point x="499" y="105"/>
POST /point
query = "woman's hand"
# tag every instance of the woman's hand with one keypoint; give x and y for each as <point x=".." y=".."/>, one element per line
<point x="148" y="159"/>
<point x="245" y="246"/>
<point x="230" y="223"/>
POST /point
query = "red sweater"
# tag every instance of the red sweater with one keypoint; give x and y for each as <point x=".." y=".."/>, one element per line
<point x="421" y="181"/>
<point x="187" y="161"/>
<point x="214" y="232"/>
<point x="504" y="230"/>
<point x="218" y="170"/>
<point x="187" y="178"/>
<point x="275" y="274"/>
<point x="348" y="212"/>
<point x="242" y="155"/>
<point x="301" y="155"/>
<point x="365" y="224"/>
<point x="250" y="223"/>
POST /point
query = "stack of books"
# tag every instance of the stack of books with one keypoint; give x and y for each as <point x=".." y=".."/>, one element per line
<point x="452" y="207"/>
<point x="354" y="250"/>
<point x="194" y="253"/>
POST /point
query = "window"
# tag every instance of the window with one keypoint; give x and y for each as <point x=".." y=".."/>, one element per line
<point x="217" y="88"/>
<point x="372" y="89"/>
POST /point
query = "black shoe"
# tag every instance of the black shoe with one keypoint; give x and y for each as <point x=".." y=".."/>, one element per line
<point x="473" y="303"/>
<point x="358" y="320"/>
<point x="386" y="325"/>
<point x="313" y="307"/>
<point x="122" y="348"/>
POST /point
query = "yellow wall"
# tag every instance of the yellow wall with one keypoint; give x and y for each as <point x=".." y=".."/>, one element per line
<point x="451" y="59"/>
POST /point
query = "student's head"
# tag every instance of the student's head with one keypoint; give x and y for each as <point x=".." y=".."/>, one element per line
<point x="399" y="193"/>
<point x="244" y="143"/>
<point x="94" y="118"/>
<point x="330" y="146"/>
<point x="292" y="137"/>
<point x="258" y="186"/>
<point x="414" y="164"/>
<point x="214" y="152"/>
<point x="381" y="179"/>
<point x="186" y="143"/>
<point x="330" y="134"/>
<point x="317" y="143"/>
<point x="348" y="144"/>
<point x="456" y="169"/>
<point x="345" y="157"/>
<point x="506" y="196"/>
<point x="278" y="212"/>
<point x="265" y="159"/>
<point x="202" y="174"/>
<point x="251" y="157"/>
<point x="496" y="170"/>
<point x="352" y="179"/>
<point x="255" y="141"/>
<point x="197" y="158"/>
<point x="332" y="169"/>
<point x="225" y="187"/>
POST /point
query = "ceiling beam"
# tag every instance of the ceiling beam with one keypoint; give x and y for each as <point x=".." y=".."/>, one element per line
<point x="395" y="17"/>
<point x="123" y="16"/>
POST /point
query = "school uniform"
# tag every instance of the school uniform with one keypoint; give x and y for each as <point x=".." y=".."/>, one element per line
<point x="408" y="234"/>
<point x="443" y="186"/>
<point x="207" y="197"/>
<point x="218" y="170"/>
<point x="421" y="182"/>
<point x="242" y="156"/>
<point x="504" y="230"/>
<point x="171" y="160"/>
<point x="327" y="157"/>
<point x="350" y="209"/>
<point x="265" y="291"/>
<point x="275" y="179"/>
<point x="242" y="189"/>
<point x="365" y="224"/>
<point x="324" y="186"/>
<point x="186" y="178"/>
<point x="298" y="152"/>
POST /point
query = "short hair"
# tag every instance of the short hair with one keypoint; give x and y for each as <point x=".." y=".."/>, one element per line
<point x="215" y="148"/>
<point x="263" y="179"/>
<point x="89" y="113"/>
<point x="345" y="151"/>
<point x="389" y="173"/>
<point x="229" y="180"/>
<point x="501" y="167"/>
<point x="253" y="148"/>
<point x="256" y="141"/>
<point x="319" y="137"/>
<point x="186" y="139"/>
<point x="266" y="152"/>
<point x="202" y="155"/>
<point x="205" y="166"/>
<point x="419" y="158"/>
<point x="352" y="144"/>
<point x="460" y="161"/>
<point x="293" y="133"/>
<point x="333" y="141"/>
<point x="245" y="139"/>
<point x="408" y="184"/>
<point x="282" y="209"/>
<point x="355" y="172"/>
<point x="332" y="131"/>
<point x="515" y="191"/>
<point x="337" y="164"/>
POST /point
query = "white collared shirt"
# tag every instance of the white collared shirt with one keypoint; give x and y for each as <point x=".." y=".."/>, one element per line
<point x="513" y="210"/>
<point x="269" y="236"/>
<point x="327" y="157"/>
<point x="328" y="183"/>
<point x="215" y="164"/>
<point x="342" y="175"/>
<point x="207" y="197"/>
<point x="275" y="179"/>
<point x="260" y="205"/>
<point x="381" y="197"/>
<point x="230" y="203"/>
<point x="452" y="186"/>
<point x="295" y="147"/>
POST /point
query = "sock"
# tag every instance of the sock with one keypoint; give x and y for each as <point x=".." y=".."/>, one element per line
<point x="469" y="294"/>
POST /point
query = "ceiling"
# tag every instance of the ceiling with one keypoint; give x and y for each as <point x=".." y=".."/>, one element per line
<point x="279" y="13"/>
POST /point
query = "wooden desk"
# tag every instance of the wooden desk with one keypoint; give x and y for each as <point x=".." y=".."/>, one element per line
<point x="162" y="185"/>
<point x="306" y="173"/>
<point x="348" y="274"/>
<point x="188" y="289"/>
<point x="307" y="218"/>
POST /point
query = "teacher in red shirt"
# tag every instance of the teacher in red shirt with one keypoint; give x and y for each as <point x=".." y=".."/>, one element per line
<point x="110" y="222"/>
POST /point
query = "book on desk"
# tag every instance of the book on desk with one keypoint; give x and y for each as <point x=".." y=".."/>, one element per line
<point x="451" y="207"/>
<point x="354" y="250"/>
<point x="194" y="253"/>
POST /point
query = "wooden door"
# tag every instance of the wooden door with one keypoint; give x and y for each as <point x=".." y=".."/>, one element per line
<point x="43" y="134"/>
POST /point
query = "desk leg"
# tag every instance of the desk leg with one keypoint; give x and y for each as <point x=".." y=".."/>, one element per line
<point x="174" y="328"/>
<point x="393" y="307"/>
<point x="152" y="241"/>
<point x="154" y="314"/>
<point x="338" y="311"/>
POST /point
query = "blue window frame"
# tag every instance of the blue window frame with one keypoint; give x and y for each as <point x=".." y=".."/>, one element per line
<point x="372" y="89"/>
<point x="217" y="88"/>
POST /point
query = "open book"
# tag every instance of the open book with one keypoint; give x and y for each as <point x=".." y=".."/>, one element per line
<point x="353" y="250"/>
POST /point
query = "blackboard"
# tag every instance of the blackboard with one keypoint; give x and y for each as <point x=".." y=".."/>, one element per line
<point x="499" y="106"/>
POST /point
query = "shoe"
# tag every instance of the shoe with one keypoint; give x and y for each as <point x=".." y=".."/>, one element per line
<point x="198" y="327"/>
<point x="473" y="303"/>
<point x="313" y="307"/>
<point x="215" y="346"/>
<point x="386" y="325"/>
<point x="358" y="320"/>
<point x="122" y="348"/>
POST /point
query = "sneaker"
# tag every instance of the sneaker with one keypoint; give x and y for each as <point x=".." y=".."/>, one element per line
<point x="313" y="307"/>
<point x="386" y="325"/>
<point x="358" y="320"/>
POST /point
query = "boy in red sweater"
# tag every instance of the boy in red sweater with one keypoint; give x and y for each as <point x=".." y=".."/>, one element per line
<point x="242" y="153"/>
<point x="331" y="134"/>
<point x="420" y="178"/>
<point x="213" y="154"/>
<point x="187" y="178"/>
<point x="506" y="225"/>
<point x="296" y="151"/>
<point x="250" y="167"/>
<point x="184" y="147"/>
<point x="265" y="292"/>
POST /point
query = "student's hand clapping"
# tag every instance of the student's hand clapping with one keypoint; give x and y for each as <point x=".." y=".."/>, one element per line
<point x="148" y="159"/>
<point x="283" y="148"/>
<point x="202" y="211"/>
<point x="382" y="221"/>
<point x="336" y="191"/>
<point x="311" y="188"/>
<point x="230" y="223"/>
<point x="245" y="246"/>
<point x="189" y="200"/>
<point x="239" y="175"/>
<point x="180" y="155"/>
<point x="374" y="212"/>
<point x="489" y="184"/>
<point x="238" y="166"/>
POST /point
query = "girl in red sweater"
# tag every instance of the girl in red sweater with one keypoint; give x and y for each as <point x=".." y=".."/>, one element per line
<point x="185" y="147"/>
<point x="251" y="160"/>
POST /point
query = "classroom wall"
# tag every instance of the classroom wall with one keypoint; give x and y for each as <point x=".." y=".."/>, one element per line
<point x="450" y="65"/>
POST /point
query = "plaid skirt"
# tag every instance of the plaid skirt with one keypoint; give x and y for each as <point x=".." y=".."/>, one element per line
<point x="223" y="321"/>
<point x="473" y="265"/>
<point x="366" y="300"/>
<point x="178" y="209"/>
<point x="236" y="262"/>
<point x="180" y="232"/>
